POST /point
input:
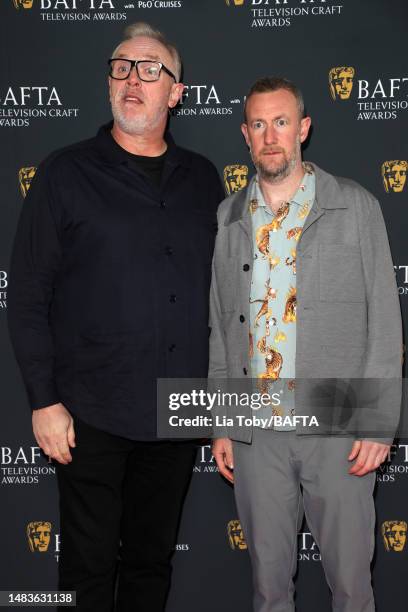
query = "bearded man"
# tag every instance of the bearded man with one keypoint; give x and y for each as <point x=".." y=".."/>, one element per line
<point x="303" y="289"/>
<point x="109" y="291"/>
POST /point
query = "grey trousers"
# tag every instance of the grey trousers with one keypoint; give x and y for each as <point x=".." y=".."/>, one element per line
<point x="339" y="509"/>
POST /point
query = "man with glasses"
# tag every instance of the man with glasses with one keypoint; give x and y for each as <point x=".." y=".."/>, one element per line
<point x="110" y="280"/>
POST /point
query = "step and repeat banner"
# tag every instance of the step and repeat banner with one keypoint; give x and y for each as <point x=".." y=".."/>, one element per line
<point x="349" y="58"/>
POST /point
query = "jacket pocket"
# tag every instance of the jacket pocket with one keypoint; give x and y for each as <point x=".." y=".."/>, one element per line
<point x="341" y="276"/>
<point x="341" y="352"/>
<point x="227" y="282"/>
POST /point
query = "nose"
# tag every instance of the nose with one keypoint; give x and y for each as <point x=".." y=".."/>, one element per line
<point x="270" y="134"/>
<point x="133" y="78"/>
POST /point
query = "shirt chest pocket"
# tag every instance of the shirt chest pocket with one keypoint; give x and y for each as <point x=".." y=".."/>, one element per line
<point x="341" y="277"/>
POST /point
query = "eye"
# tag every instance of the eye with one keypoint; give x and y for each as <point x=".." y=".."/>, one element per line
<point x="257" y="124"/>
<point x="152" y="70"/>
<point x="281" y="122"/>
<point x="122" y="68"/>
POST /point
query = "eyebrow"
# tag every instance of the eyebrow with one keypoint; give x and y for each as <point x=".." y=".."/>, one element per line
<point x="281" y="116"/>
<point x="145" y="56"/>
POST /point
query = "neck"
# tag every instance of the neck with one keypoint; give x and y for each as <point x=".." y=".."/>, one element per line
<point x="150" y="144"/>
<point x="282" y="191"/>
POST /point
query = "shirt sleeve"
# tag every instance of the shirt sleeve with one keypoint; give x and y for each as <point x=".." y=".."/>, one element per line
<point x="35" y="261"/>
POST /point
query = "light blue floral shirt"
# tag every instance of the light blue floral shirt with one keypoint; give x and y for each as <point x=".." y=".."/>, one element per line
<point x="272" y="337"/>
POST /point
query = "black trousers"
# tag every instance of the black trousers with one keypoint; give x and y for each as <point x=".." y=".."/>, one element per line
<point x="120" y="505"/>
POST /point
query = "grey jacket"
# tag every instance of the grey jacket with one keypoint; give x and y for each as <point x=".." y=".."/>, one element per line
<point x="348" y="313"/>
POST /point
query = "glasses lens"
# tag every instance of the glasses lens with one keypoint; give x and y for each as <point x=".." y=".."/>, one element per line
<point x="120" y="68"/>
<point x="148" y="71"/>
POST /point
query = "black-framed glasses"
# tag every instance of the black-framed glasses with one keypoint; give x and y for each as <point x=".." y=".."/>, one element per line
<point x="147" y="70"/>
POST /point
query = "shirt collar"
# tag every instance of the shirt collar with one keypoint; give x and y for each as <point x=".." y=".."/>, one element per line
<point x="305" y="192"/>
<point x="114" y="154"/>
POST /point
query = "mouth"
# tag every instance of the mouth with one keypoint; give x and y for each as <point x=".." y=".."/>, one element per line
<point x="132" y="99"/>
<point x="271" y="153"/>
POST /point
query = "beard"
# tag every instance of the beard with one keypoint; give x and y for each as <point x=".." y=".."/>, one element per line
<point x="282" y="170"/>
<point x="136" y="125"/>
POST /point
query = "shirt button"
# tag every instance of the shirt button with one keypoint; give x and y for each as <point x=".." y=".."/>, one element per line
<point x="245" y="267"/>
<point x="168" y="250"/>
<point x="172" y="347"/>
<point x="241" y="318"/>
<point x="173" y="298"/>
<point x="162" y="204"/>
<point x="245" y="371"/>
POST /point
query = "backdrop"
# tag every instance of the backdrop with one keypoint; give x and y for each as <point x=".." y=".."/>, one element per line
<point x="349" y="58"/>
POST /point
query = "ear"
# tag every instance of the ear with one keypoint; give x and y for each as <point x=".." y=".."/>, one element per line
<point x="175" y="94"/>
<point x="244" y="130"/>
<point x="305" y="124"/>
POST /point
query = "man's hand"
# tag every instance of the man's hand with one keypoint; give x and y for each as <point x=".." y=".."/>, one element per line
<point x="369" y="455"/>
<point x="53" y="429"/>
<point x="222" y="451"/>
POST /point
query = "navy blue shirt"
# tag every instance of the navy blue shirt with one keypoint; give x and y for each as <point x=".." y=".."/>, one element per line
<point x="109" y="281"/>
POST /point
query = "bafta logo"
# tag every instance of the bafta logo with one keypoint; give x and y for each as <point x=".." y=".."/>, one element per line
<point x="235" y="177"/>
<point x="39" y="535"/>
<point x="394" y="534"/>
<point x="25" y="4"/>
<point x="25" y="176"/>
<point x="236" y="536"/>
<point x="394" y="175"/>
<point x="341" y="82"/>
<point x="234" y="2"/>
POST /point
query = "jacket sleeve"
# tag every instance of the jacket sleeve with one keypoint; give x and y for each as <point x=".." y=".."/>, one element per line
<point x="383" y="363"/>
<point x="35" y="262"/>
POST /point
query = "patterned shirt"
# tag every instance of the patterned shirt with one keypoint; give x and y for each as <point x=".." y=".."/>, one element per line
<point x="272" y="335"/>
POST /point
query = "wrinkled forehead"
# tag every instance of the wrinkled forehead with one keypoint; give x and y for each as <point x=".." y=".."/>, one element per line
<point x="271" y="104"/>
<point x="143" y="47"/>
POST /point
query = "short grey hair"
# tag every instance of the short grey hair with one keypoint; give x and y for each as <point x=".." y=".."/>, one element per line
<point x="141" y="28"/>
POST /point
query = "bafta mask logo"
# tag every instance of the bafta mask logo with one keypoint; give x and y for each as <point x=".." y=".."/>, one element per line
<point x="394" y="534"/>
<point x="25" y="176"/>
<point x="235" y="177"/>
<point x="341" y="82"/>
<point x="25" y="4"/>
<point x="39" y="535"/>
<point x="236" y="536"/>
<point x="234" y="2"/>
<point x="394" y="175"/>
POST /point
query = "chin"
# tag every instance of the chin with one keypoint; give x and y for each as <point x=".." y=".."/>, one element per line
<point x="132" y="125"/>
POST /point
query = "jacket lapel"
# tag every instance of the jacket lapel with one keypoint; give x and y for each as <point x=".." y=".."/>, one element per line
<point x="239" y="214"/>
